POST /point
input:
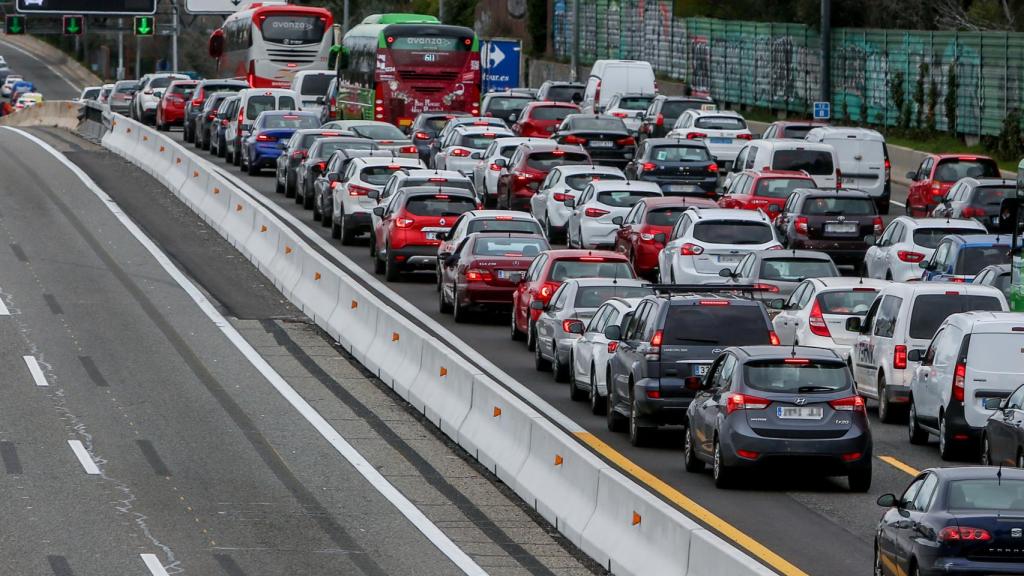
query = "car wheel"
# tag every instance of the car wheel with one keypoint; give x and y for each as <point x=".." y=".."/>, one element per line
<point x="721" y="473"/>
<point x="886" y="411"/>
<point x="391" y="272"/>
<point x="539" y="362"/>
<point x="316" y="210"/>
<point x="460" y="312"/>
<point x="307" y="195"/>
<point x="278" y="186"/>
<point x="326" y="217"/>
<point x="560" y="371"/>
<point x="252" y="169"/>
<point x="616" y="422"/>
<point x="596" y="400"/>
<point x="947" y="447"/>
<point x="236" y="156"/>
<point x="289" y="185"/>
<point x="442" y="303"/>
<point x="531" y="336"/>
<point x="336" y="233"/>
<point x="638" y="435"/>
<point x="347" y="234"/>
<point x="915" y="433"/>
<point x="986" y="454"/>
<point x="859" y="480"/>
<point x="515" y="334"/>
<point x="550" y="232"/>
<point x="691" y="461"/>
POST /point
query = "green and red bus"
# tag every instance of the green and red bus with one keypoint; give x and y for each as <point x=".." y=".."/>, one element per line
<point x="394" y="66"/>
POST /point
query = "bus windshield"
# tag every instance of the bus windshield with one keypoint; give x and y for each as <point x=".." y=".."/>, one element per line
<point x="292" y="29"/>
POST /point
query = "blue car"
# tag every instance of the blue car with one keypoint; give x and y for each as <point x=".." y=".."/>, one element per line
<point x="21" y="87"/>
<point x="959" y="258"/>
<point x="269" y="137"/>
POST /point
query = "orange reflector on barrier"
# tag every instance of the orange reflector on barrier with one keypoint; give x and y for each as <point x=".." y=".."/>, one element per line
<point x="287" y="249"/>
<point x="162" y="148"/>
<point x="394" y="336"/>
<point x="195" y="173"/>
<point x="177" y="160"/>
<point x="216" y="190"/>
<point x="145" y="138"/>
<point x="444" y="371"/>
<point x="636" y="518"/>
<point x="355" y="304"/>
<point x="558" y="460"/>
<point x="238" y="207"/>
<point x="316" y="276"/>
<point x="263" y="228"/>
<point x="497" y="411"/>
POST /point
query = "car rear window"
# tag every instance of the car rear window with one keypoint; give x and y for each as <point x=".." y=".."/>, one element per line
<point x="378" y="175"/>
<point x="796" y="269"/>
<point x="525" y="247"/>
<point x="720" y="123"/>
<point x="781" y="187"/>
<point x="797" y="376"/>
<point x="665" y="216"/>
<point x="548" y="160"/>
<point x="847" y="302"/>
<point x="504" y="225"/>
<point x="161" y="82"/>
<point x="508" y="104"/>
<point x="635" y="102"/>
<point x="733" y="232"/>
<point x="973" y="258"/>
<point x="315" y="84"/>
<point x="931" y="309"/>
<point x="228" y="88"/>
<point x="477" y="141"/>
<point x="985" y="494"/>
<point x="580" y="181"/>
<point x="564" y="93"/>
<point x="552" y="112"/>
<point x="326" y="149"/>
<point x="436" y="123"/>
<point x="460" y="184"/>
<point x="594" y="296"/>
<point x="953" y="169"/>
<point x="567" y="269"/>
<point x="988" y="351"/>
<point x="258" y="104"/>
<point x="729" y="325"/>
<point x="379" y="132"/>
<point x="439" y="205"/>
<point x="930" y="237"/>
<point x="797" y="132"/>
<point x="816" y="162"/>
<point x="597" y="124"/>
<point x="290" y="121"/>
<point x="835" y="206"/>
<point x="182" y="88"/>
<point x="623" y="198"/>
<point x="671" y="109"/>
<point x="992" y="195"/>
<point x="679" y="154"/>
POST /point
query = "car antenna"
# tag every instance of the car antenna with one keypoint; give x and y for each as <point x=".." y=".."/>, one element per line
<point x="792" y="352"/>
<point x="999" y="474"/>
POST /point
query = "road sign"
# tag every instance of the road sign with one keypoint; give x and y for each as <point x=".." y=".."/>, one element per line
<point x="110" y="7"/>
<point x="215" y="6"/>
<point x="144" y="25"/>
<point x="73" y="25"/>
<point x="822" y="110"/>
<point x="14" y="24"/>
<point x="502" y="63"/>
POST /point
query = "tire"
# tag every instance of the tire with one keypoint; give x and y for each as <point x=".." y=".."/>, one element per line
<point x="596" y="400"/>
<point x="887" y="412"/>
<point x="691" y="461"/>
<point x="539" y="362"/>
<point x="316" y="211"/>
<point x="346" y="233"/>
<point x="575" y="394"/>
<point x="531" y="336"/>
<point x="307" y="196"/>
<point x="378" y="264"/>
<point x="515" y="334"/>
<point x="326" y="218"/>
<point x="859" y="480"/>
<point x="289" y="185"/>
<point x="252" y="169"/>
<point x="391" y="272"/>
<point x="221" y="152"/>
<point x="638" y="435"/>
<point x="722" y="474"/>
<point x="550" y="232"/>
<point x="986" y="451"/>
<point x="460" y="313"/>
<point x="278" y="186"/>
<point x="915" y="433"/>
<point x="236" y="157"/>
<point x="336" y="229"/>
<point x="948" y="450"/>
<point x="616" y="422"/>
<point x="559" y="371"/>
<point x="443" y="306"/>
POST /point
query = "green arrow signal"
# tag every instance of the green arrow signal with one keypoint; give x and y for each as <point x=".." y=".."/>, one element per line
<point x="73" y="26"/>
<point x="143" y="27"/>
<point x="14" y="25"/>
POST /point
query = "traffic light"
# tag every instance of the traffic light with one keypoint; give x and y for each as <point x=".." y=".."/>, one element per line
<point x="15" y="24"/>
<point x="144" y="25"/>
<point x="73" y="25"/>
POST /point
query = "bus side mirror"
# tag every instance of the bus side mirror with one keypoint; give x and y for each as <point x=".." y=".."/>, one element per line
<point x="1009" y="215"/>
<point x="216" y="46"/>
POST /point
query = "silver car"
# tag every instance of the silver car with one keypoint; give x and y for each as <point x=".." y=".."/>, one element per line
<point x="571" y="307"/>
<point x="778" y="272"/>
<point x="588" y="361"/>
<point x="464" y="147"/>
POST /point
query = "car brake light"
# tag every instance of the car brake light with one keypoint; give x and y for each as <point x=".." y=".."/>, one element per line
<point x="774" y="338"/>
<point x="477" y="275"/>
<point x="801" y="225"/>
<point x="959" y="374"/>
<point x="659" y="120"/>
<point x="937" y="186"/>
<point x="713" y="167"/>
<point x="561" y="196"/>
<point x="803" y="361"/>
<point x="839" y="179"/>
<point x="714" y="302"/>
<point x="422" y="136"/>
<point x="612" y="346"/>
<point x="878" y="226"/>
<point x="403" y="222"/>
<point x="558" y="152"/>
<point x="410" y="149"/>
<point x="848" y="404"/>
<point x="972" y="212"/>
<point x="495" y="167"/>
<point x="627" y="141"/>
<point x="591" y="259"/>
<point x="745" y="136"/>
<point x="619" y="114"/>
<point x="573" y="139"/>
<point x="568" y="324"/>
<point x="594" y="212"/>
<point x="817" y="322"/>
<point x="899" y="357"/>
<point x="690" y="250"/>
<point x="766" y="288"/>
<point x="738" y="401"/>
<point x="748" y="454"/>
<point x="648" y="166"/>
<point x="460" y="152"/>
<point x="356" y="190"/>
<point x="299" y="154"/>
<point x="964" y="533"/>
<point x="265" y="138"/>
<point x="888" y="170"/>
<point x="696" y="135"/>
<point x="908" y="256"/>
<point x="548" y="289"/>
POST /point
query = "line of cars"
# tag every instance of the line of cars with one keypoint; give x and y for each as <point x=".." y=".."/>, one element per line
<point x="19" y="92"/>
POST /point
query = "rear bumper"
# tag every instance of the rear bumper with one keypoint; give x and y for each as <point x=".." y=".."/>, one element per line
<point x="481" y="293"/>
<point x="943" y="566"/>
<point x="822" y="455"/>
<point x="842" y="252"/>
<point x="418" y="257"/>
<point x="659" y="411"/>
<point x="671" y="186"/>
<point x="608" y="157"/>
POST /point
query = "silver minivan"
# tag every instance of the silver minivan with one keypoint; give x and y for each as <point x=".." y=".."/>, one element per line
<point x="863" y="160"/>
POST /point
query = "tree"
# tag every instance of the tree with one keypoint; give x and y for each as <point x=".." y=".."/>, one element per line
<point x="951" y="98"/>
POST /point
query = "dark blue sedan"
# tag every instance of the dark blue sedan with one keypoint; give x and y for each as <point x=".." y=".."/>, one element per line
<point x="954" y="521"/>
<point x="269" y="137"/>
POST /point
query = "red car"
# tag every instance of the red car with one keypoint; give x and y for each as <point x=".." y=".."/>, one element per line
<point x="486" y="271"/>
<point x="937" y="174"/>
<point x="408" y="231"/>
<point x="797" y="129"/>
<point x="529" y="166"/>
<point x="547" y="273"/>
<point x="767" y="190"/>
<point x="170" y="111"/>
<point x="541" y="119"/>
<point x="648" y="218"/>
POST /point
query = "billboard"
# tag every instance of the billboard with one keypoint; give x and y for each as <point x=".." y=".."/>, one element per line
<point x="502" y="64"/>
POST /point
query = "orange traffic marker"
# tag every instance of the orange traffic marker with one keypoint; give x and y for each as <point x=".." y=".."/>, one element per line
<point x="497" y="411"/>
<point x="238" y="207"/>
<point x="287" y="249"/>
<point x="558" y="460"/>
<point x="636" y="518"/>
<point x="394" y="336"/>
<point x="355" y="304"/>
<point x="444" y="371"/>
<point x="263" y="228"/>
<point x="316" y="276"/>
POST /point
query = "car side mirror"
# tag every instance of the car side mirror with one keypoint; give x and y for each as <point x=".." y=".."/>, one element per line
<point x="320" y="100"/>
<point x="693" y="383"/>
<point x="926" y="265"/>
<point x="538" y="305"/>
<point x="993" y="403"/>
<point x="570" y="202"/>
<point x="451" y="260"/>
<point x="373" y="194"/>
<point x="513" y="117"/>
<point x="334" y="177"/>
<point x="502" y="162"/>
<point x="870" y="240"/>
<point x="727" y="273"/>
<point x="660" y="237"/>
<point x="378" y="211"/>
<point x="915" y="355"/>
<point x="853" y="324"/>
<point x="282" y="145"/>
<point x="617" y="220"/>
<point x="613" y="333"/>
<point x="911" y="175"/>
<point x="776" y="304"/>
<point x="888" y="501"/>
<point x="576" y="327"/>
<point x="476" y="155"/>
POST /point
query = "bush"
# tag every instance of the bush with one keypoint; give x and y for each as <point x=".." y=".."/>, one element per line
<point x="922" y="73"/>
<point x="537" y="17"/>
<point x="951" y="96"/>
<point x="1008" y="145"/>
<point x="933" y="103"/>
<point x="899" y="100"/>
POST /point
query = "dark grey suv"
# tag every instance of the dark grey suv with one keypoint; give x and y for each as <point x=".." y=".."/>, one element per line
<point x="779" y="406"/>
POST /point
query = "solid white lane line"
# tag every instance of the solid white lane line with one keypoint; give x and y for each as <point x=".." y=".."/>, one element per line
<point x="415" y="516"/>
<point x="35" y="370"/>
<point x="154" y="565"/>
<point x="84" y="457"/>
<point x="900" y="204"/>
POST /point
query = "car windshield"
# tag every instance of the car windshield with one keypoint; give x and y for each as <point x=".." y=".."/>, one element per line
<point x="986" y="494"/>
<point x="597" y="124"/>
<point x="699" y="325"/>
<point x="511" y="247"/>
<point x="847" y="302"/>
<point x="780" y="187"/>
<point x="508" y="103"/>
<point x="931" y="309"/>
<point x="378" y="175"/>
<point x="547" y="160"/>
<point x="504" y="225"/>
<point x="595" y="267"/>
<point x="720" y="123"/>
<point x="290" y="121"/>
<point x="953" y="169"/>
<point x="477" y="141"/>
<point x="797" y="376"/>
<point x="930" y="237"/>
<point x="665" y="216"/>
<point x="564" y="93"/>
<point x="552" y="112"/>
<point x="379" y="132"/>
<point x="594" y="296"/>
<point x="624" y="198"/>
<point x="797" y="269"/>
<point x="634" y="102"/>
<point x="733" y="232"/>
<point x="835" y="206"/>
<point x="973" y="258"/>
<point x="679" y="154"/>
<point x="580" y="181"/>
<point x="816" y="162"/>
<point x="316" y="84"/>
<point x="992" y="195"/>
<point x="439" y="205"/>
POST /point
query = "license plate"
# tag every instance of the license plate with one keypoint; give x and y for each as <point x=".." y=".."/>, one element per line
<point x="799" y="412"/>
<point x="995" y="219"/>
<point x="601" y="144"/>
<point x="702" y="369"/>
<point x="721" y="140"/>
<point x="848" y="180"/>
<point x="431" y="235"/>
<point x="841" y="228"/>
<point x="729" y="259"/>
<point x="513" y="276"/>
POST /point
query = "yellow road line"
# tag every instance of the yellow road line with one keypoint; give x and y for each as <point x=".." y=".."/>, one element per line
<point x="726" y="530"/>
<point x="900" y="465"/>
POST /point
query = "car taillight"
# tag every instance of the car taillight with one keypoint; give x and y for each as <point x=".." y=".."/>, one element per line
<point x="198" y="100"/>
<point x="573" y="139"/>
<point x="690" y="250"/>
<point x="407" y="149"/>
<point x="460" y="152"/>
<point x="568" y="324"/>
<point x="964" y="534"/>
<point x="959" y="374"/>
<point x="321" y="166"/>
<point x="972" y="212"/>
<point x="627" y="141"/>
<point x="612" y="346"/>
<point x="659" y="120"/>
<point x="738" y="401"/>
<point x="619" y="114"/>
<point x="800" y="225"/>
<point x="899" y="357"/>
<point x="495" y="167"/>
<point x="878" y="226"/>
<point x="561" y="196"/>
<point x="265" y="138"/>
<point x="773" y="338"/>
<point x="888" y="170"/>
<point x="848" y="404"/>
<point x="766" y="288"/>
<point x="224" y="122"/>
<point x="696" y="135"/>
<point x="548" y="289"/>
<point x="522" y="177"/>
<point x="477" y="275"/>
<point x="908" y="256"/>
<point x="356" y="190"/>
<point x="817" y="322"/>
<point x="713" y="168"/>
<point x="648" y="166"/>
<point x="402" y="222"/>
<point x="299" y="154"/>
<point x="211" y="116"/>
<point x="594" y="212"/>
<point x="421" y="136"/>
<point x="745" y="136"/>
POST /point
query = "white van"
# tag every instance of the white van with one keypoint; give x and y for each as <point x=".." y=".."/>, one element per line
<point x="902" y="319"/>
<point x="816" y="159"/>
<point x="311" y="86"/>
<point x="972" y="364"/>
<point x="863" y="160"/>
<point x="252" y="101"/>
<point x="610" y="77"/>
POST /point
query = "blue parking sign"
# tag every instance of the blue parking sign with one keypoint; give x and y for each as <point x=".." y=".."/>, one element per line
<point x="822" y="110"/>
<point x="501" y="61"/>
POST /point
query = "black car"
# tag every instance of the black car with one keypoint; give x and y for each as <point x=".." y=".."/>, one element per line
<point x="1003" y="440"/>
<point x="296" y="149"/>
<point x="315" y="163"/>
<point x="661" y="115"/>
<point x="205" y="121"/>
<point x="506" y="105"/>
<point x="226" y="113"/>
<point x="954" y="521"/>
<point x="680" y="167"/>
<point x="832" y="221"/>
<point x="558" y="91"/>
<point x="773" y="406"/>
<point x="605" y="138"/>
<point x="674" y="335"/>
<point x="194" y="106"/>
<point x="425" y="128"/>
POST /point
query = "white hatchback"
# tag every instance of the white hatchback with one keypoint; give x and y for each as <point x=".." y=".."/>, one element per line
<point x="704" y="242"/>
<point x="564" y="182"/>
<point x="463" y="148"/>
<point x="906" y="242"/>
<point x="588" y="372"/>
<point x="724" y="131"/>
<point x="598" y="211"/>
